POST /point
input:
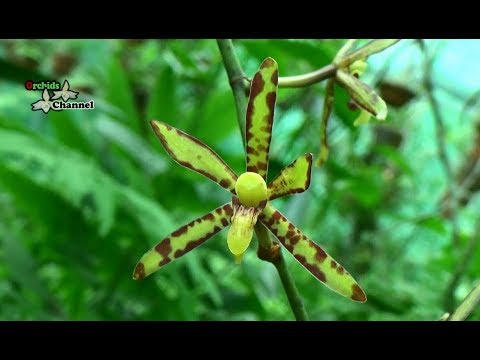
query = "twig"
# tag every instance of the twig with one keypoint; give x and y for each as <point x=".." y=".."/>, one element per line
<point x="291" y="290"/>
<point x="463" y="263"/>
<point x="237" y="81"/>
<point x="440" y="138"/>
<point x="235" y="72"/>
<point x="270" y="251"/>
<point x="467" y="306"/>
<point x="327" y="109"/>
<point x="308" y="79"/>
<point x="341" y="60"/>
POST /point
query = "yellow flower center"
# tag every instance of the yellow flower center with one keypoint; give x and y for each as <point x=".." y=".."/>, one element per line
<point x="251" y="189"/>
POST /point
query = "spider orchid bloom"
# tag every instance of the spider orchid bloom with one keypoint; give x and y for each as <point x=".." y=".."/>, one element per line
<point x="251" y="200"/>
<point x="65" y="93"/>
<point x="44" y="104"/>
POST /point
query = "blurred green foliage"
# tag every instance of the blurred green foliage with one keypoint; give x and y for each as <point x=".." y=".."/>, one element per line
<point x="83" y="194"/>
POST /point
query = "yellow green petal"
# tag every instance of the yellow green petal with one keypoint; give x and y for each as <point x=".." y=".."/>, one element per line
<point x="241" y="230"/>
<point x="195" y="155"/>
<point x="183" y="240"/>
<point x="363" y="118"/>
<point x="294" y="178"/>
<point x="259" y="120"/>
<point x="311" y="256"/>
<point x="363" y="95"/>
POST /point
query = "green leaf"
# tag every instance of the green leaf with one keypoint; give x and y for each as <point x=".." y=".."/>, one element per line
<point x="119" y="93"/>
<point x="163" y="104"/>
<point x="395" y="157"/>
<point x="133" y="145"/>
<point x="217" y="117"/>
<point x="151" y="217"/>
<point x="18" y="74"/>
<point x="433" y="223"/>
<point x="204" y="280"/>
<point x="68" y="131"/>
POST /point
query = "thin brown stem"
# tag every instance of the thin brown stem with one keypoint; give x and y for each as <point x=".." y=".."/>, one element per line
<point x="308" y="79"/>
<point x="440" y="139"/>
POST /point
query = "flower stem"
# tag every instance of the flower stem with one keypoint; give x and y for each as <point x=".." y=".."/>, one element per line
<point x="237" y="78"/>
<point x="292" y="293"/>
<point x="308" y="79"/>
<point x="467" y="306"/>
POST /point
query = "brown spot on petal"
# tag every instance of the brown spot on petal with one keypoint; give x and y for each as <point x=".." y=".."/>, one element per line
<point x="266" y="63"/>
<point x="139" y="272"/>
<point x="179" y="232"/>
<point x="320" y="275"/>
<point x="224" y="222"/>
<point x="235" y="201"/>
<point x="340" y="270"/>
<point x="164" y="248"/>
<point x="301" y="258"/>
<point x="320" y="255"/>
<point x="276" y="216"/>
<point x="190" y="246"/>
<point x="294" y="239"/>
<point x="252" y="150"/>
<point x="333" y="264"/>
<point x="261" y="147"/>
<point x="257" y="86"/>
<point x="225" y="183"/>
<point x="274" y="77"/>
<point x="228" y="209"/>
<point x="358" y="294"/>
<point x="164" y="262"/>
<point x="204" y="173"/>
<point x="288" y="247"/>
<point x="208" y="217"/>
<point x="271" y="98"/>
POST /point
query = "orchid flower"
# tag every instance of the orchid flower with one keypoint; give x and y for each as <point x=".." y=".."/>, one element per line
<point x="44" y="104"/>
<point x="65" y="93"/>
<point x="251" y="196"/>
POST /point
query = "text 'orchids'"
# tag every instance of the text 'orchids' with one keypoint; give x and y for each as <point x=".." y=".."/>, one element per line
<point x="251" y="195"/>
